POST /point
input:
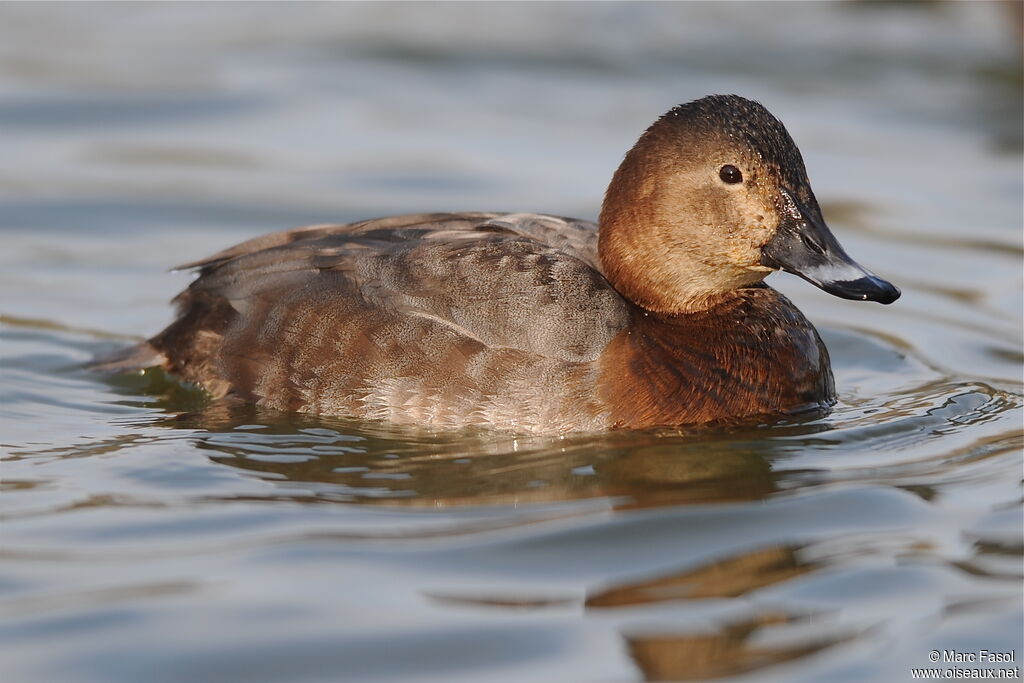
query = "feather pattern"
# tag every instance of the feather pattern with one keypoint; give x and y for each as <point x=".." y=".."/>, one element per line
<point x="444" y="319"/>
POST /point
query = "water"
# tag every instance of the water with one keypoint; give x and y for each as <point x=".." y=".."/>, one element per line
<point x="150" y="536"/>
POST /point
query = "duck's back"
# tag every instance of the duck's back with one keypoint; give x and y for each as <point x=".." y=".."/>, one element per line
<point x="442" y="319"/>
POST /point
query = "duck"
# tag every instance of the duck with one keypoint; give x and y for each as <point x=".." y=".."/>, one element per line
<point x="657" y="315"/>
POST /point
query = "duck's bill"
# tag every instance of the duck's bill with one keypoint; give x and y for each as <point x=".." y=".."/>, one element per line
<point x="806" y="247"/>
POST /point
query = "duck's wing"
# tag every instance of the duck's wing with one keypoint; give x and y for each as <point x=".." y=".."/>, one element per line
<point x="524" y="281"/>
<point x="576" y="237"/>
<point x="468" y="300"/>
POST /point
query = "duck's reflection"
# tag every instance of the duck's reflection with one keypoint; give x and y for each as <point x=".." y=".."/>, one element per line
<point x="732" y="648"/>
<point x="727" y="652"/>
<point x="704" y="651"/>
<point x="730" y="577"/>
<point x="365" y="463"/>
<point x="356" y="462"/>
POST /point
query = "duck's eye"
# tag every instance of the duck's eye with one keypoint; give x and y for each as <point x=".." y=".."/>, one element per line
<point x="730" y="174"/>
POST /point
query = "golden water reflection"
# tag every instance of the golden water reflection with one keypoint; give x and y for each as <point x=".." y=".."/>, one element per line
<point x="709" y="650"/>
<point x="729" y="577"/>
<point x="724" y="650"/>
<point x="727" y="652"/>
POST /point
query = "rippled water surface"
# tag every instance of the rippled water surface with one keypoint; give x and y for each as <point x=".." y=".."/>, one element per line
<point x="149" y="535"/>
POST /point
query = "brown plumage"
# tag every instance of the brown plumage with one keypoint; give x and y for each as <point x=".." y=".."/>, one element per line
<point x="719" y="363"/>
<point x="538" y="323"/>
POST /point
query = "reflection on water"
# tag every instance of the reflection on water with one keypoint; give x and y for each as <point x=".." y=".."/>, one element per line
<point x="700" y="655"/>
<point x="727" y="578"/>
<point x="389" y="466"/>
<point x="725" y="653"/>
<point x="149" y="534"/>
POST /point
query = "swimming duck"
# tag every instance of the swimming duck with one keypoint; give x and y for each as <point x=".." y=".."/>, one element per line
<point x="655" y="316"/>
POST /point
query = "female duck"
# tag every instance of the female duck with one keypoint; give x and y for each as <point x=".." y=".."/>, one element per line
<point x="537" y="323"/>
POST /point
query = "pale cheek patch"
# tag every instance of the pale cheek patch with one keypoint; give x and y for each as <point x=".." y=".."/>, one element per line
<point x="756" y="235"/>
<point x="756" y="223"/>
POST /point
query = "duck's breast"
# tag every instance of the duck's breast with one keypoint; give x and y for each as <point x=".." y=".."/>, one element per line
<point x="753" y="354"/>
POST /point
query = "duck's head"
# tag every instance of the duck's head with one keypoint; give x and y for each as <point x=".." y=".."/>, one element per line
<point x="712" y="198"/>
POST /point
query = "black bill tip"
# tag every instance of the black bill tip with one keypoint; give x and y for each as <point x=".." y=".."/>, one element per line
<point x="803" y="245"/>
<point x="868" y="288"/>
